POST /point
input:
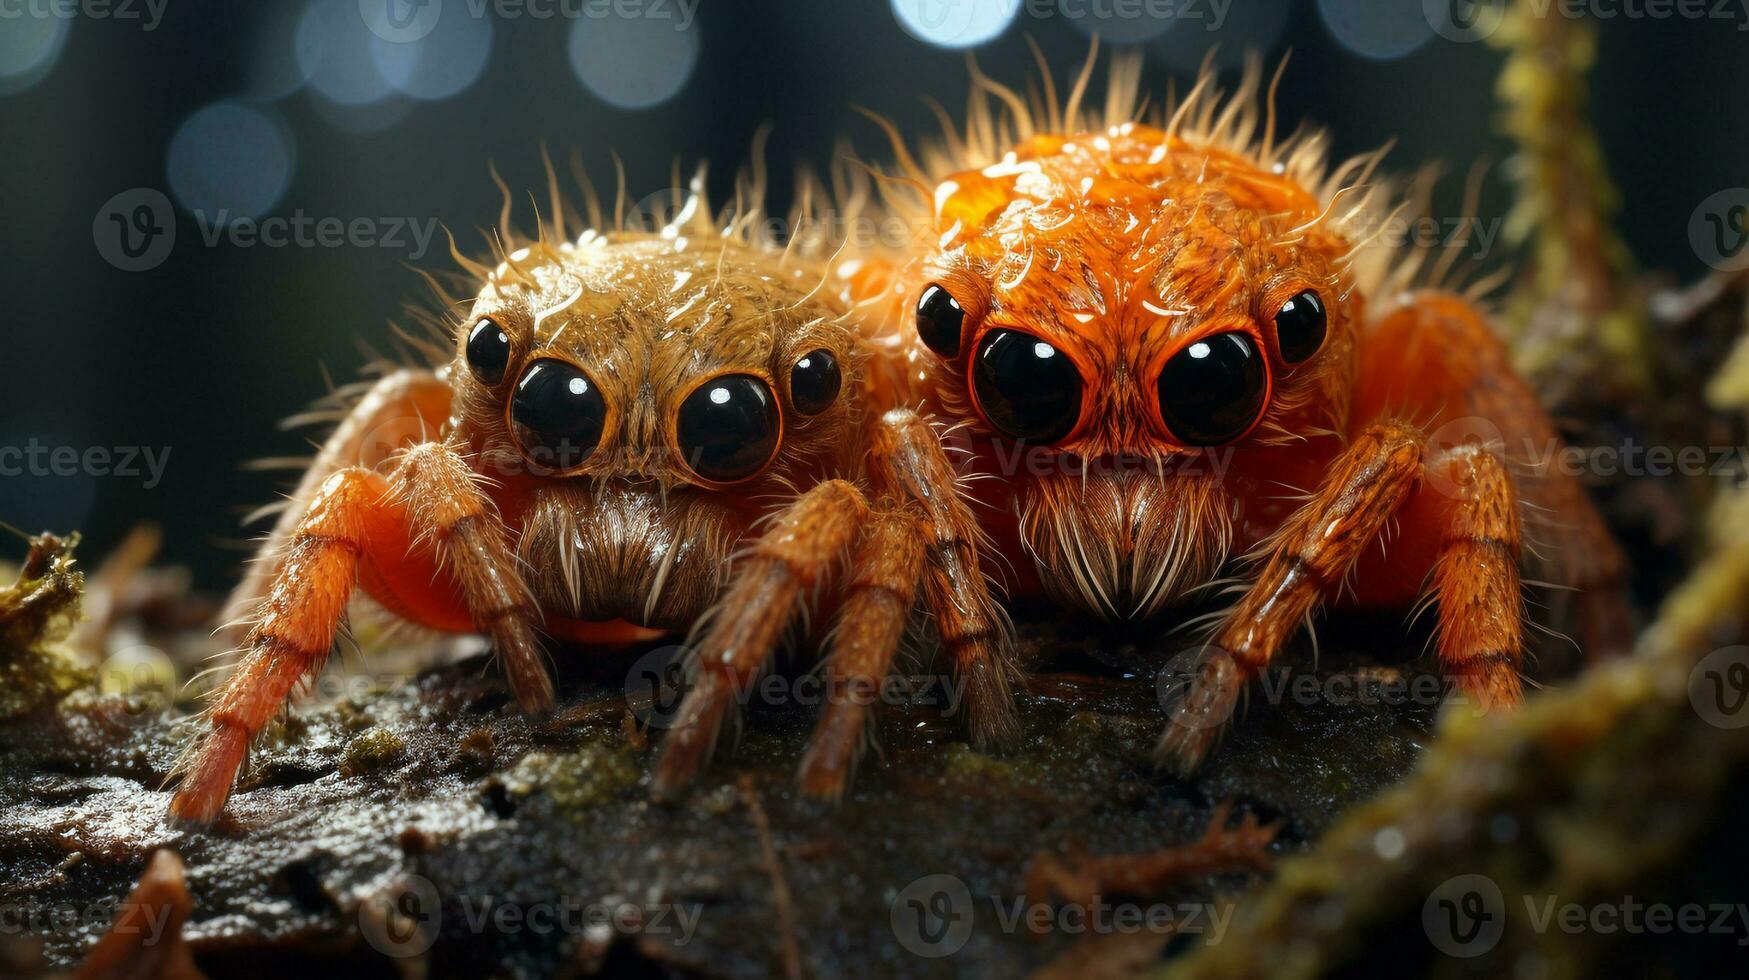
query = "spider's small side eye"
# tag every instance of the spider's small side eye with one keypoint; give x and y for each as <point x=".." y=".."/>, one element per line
<point x="814" y="382"/>
<point x="557" y="414"/>
<point x="1299" y="327"/>
<point x="940" y="318"/>
<point x="729" y="428"/>
<point x="1213" y="391"/>
<point x="488" y="351"/>
<point x="1026" y="388"/>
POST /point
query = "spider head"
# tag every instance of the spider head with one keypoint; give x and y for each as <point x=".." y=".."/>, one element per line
<point x="1123" y="296"/>
<point x="648" y="358"/>
<point x="647" y="398"/>
<point x="1100" y="295"/>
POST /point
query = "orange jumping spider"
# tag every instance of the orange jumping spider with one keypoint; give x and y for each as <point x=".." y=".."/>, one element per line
<point x="1181" y="342"/>
<point x="615" y="415"/>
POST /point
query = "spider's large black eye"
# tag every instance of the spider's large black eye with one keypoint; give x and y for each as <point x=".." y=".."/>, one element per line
<point x="557" y="413"/>
<point x="814" y="382"/>
<point x="1026" y="388"/>
<point x="939" y="319"/>
<point x="1299" y="327"/>
<point x="1212" y="391"/>
<point x="728" y="428"/>
<point x="488" y="351"/>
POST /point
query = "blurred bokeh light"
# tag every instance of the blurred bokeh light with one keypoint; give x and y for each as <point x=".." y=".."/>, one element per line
<point x="442" y="62"/>
<point x="956" y="23"/>
<point x="1378" y="30"/>
<point x="29" y="47"/>
<point x="231" y="160"/>
<point x="633" y="62"/>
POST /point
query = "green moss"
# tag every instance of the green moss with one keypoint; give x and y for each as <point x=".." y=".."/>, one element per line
<point x="37" y="612"/>
<point x="376" y="749"/>
<point x="593" y="776"/>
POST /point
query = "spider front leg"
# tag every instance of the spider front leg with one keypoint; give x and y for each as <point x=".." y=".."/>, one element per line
<point x="748" y="621"/>
<point x="913" y="472"/>
<point x="925" y="541"/>
<point x="362" y="525"/>
<point x="878" y="601"/>
<point x="1475" y="579"/>
<point x="401" y="408"/>
<point x="974" y="631"/>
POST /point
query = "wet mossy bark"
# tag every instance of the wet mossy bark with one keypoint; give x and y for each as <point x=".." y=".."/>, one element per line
<point x="440" y="798"/>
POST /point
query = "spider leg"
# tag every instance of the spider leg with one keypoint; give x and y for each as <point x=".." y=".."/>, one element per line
<point x="446" y="506"/>
<point x="1476" y="579"/>
<point x="878" y="601"/>
<point x="1305" y="562"/>
<point x="362" y="526"/>
<point x="1434" y="355"/>
<point x="305" y="600"/>
<point x="405" y="406"/>
<point x="909" y="462"/>
<point x="740" y="633"/>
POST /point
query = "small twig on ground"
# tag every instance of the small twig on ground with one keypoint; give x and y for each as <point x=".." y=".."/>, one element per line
<point x="1080" y="879"/>
<point x="789" y="949"/>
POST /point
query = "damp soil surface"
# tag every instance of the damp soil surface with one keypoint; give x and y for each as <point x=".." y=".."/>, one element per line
<point x="432" y="829"/>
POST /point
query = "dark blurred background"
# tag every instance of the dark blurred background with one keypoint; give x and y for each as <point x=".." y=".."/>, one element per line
<point x="295" y="107"/>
